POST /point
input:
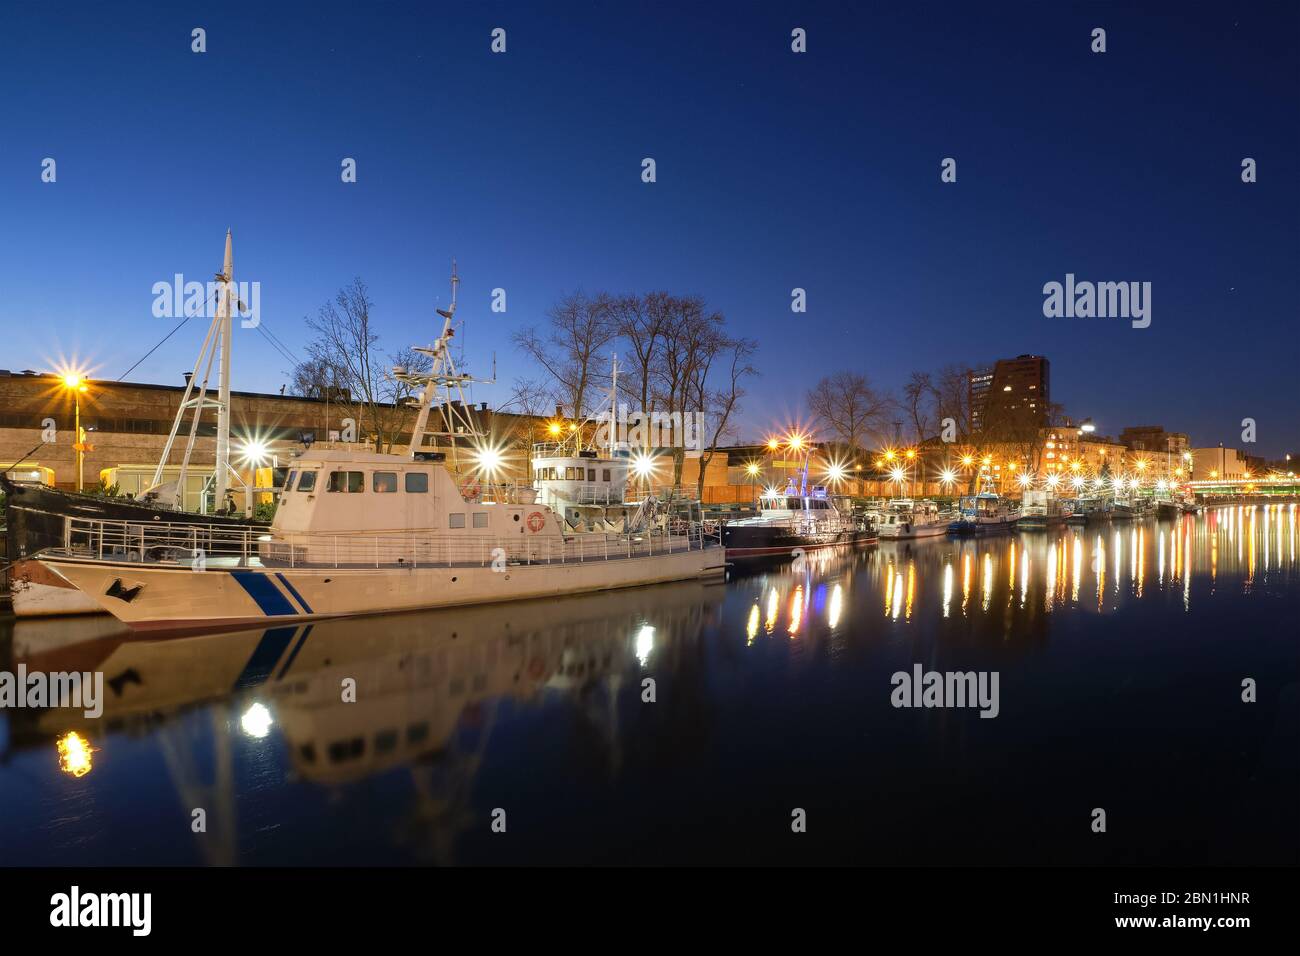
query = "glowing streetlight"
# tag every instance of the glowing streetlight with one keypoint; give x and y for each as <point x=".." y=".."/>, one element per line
<point x="254" y="452"/>
<point x="488" y="460"/>
<point x="75" y="382"/>
<point x="948" y="477"/>
<point x="643" y="465"/>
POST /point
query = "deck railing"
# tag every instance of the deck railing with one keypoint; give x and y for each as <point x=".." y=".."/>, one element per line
<point x="199" y="546"/>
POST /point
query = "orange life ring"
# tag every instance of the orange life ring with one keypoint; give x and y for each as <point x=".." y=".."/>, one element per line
<point x="470" y="489"/>
<point x="536" y="522"/>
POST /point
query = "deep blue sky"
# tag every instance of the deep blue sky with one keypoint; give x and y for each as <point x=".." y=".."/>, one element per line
<point x="775" y="170"/>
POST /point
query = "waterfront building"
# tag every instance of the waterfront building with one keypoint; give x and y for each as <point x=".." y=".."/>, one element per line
<point x="1220" y="462"/>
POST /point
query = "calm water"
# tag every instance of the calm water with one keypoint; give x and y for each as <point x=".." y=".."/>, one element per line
<point x="1120" y="653"/>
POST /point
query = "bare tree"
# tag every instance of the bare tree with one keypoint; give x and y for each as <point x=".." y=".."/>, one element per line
<point x="643" y="322"/>
<point x="344" y="364"/>
<point x="849" y="409"/>
<point x="690" y="338"/>
<point x="573" y="345"/>
<point x="919" y="401"/>
<point x="952" y="391"/>
<point x="730" y="359"/>
<point x="530" y="400"/>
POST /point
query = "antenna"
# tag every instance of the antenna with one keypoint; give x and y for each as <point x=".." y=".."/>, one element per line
<point x="445" y="380"/>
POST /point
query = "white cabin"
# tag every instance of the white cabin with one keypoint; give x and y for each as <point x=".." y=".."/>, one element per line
<point x="332" y="495"/>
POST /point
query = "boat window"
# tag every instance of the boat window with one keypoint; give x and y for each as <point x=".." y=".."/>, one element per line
<point x="384" y="482"/>
<point x="480" y="519"/>
<point x="591" y="474"/>
<point x="605" y="473"/>
<point x="417" y="481"/>
<point x="288" y="482"/>
<point x="307" y="482"/>
<point x="456" y="520"/>
<point x="353" y="482"/>
<point x="385" y="741"/>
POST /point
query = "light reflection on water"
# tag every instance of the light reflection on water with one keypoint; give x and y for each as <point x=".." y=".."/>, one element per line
<point x="459" y="711"/>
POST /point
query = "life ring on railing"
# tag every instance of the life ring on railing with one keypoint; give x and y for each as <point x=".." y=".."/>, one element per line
<point x="536" y="522"/>
<point x="470" y="490"/>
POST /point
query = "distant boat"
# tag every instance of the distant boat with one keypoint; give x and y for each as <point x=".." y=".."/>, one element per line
<point x="906" y="519"/>
<point x="1040" y="510"/>
<point x="984" y="513"/>
<point x="791" y="522"/>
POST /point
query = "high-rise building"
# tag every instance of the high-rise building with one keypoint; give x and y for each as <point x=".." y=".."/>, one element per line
<point x="1013" y="394"/>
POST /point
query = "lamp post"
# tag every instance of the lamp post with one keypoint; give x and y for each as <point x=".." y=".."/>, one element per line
<point x="74" y="382"/>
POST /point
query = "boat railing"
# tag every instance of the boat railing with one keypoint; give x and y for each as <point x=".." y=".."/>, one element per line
<point x="199" y="547"/>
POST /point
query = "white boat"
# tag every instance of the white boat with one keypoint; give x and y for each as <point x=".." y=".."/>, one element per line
<point x="906" y="519"/>
<point x="984" y="513"/>
<point x="795" y="521"/>
<point x="1040" y="509"/>
<point x="358" y="532"/>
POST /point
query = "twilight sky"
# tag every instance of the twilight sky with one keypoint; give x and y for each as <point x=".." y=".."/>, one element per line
<point x="775" y="170"/>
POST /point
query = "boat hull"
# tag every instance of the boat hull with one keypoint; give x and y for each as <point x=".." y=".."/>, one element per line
<point x="37" y="517"/>
<point x="177" y="598"/>
<point x="38" y="592"/>
<point x="937" y="530"/>
<point x="1040" y="522"/>
<point x="966" y="528"/>
<point x="758" y="543"/>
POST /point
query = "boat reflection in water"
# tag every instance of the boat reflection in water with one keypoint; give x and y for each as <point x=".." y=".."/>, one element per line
<point x="392" y="739"/>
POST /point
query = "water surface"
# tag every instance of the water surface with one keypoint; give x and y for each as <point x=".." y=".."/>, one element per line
<point x="1120" y="651"/>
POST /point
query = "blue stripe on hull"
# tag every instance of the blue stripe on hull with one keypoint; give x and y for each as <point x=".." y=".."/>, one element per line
<point x="294" y="591"/>
<point x="262" y="589"/>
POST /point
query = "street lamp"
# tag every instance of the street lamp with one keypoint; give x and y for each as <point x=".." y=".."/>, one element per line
<point x="75" y="382"/>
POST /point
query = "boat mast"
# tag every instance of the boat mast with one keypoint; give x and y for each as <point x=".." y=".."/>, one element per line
<point x="216" y="342"/>
<point x="443" y="379"/>
<point x="223" y="377"/>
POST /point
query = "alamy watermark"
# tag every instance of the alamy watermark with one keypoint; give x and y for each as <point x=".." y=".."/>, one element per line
<point x="180" y="299"/>
<point x="655" y="430"/>
<point x="1099" y="300"/>
<point x="922" y="688"/>
<point x="37" y="689"/>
